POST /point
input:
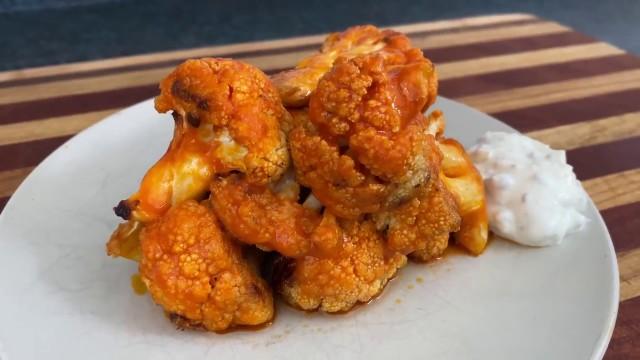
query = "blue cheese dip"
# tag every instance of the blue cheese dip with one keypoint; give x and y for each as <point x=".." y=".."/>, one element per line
<point x="533" y="195"/>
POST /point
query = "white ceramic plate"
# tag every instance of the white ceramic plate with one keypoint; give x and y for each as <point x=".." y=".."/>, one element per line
<point x="61" y="297"/>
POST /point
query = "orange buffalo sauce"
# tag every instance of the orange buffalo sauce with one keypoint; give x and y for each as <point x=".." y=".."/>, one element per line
<point x="138" y="286"/>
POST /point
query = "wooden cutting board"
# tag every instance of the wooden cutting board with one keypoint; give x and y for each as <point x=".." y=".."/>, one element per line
<point x="546" y="80"/>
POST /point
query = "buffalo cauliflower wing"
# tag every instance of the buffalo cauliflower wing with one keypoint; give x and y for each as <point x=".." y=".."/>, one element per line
<point x="295" y="86"/>
<point x="421" y="226"/>
<point x="271" y="220"/>
<point x="357" y="272"/>
<point x="227" y="118"/>
<point x="198" y="274"/>
<point x="366" y="146"/>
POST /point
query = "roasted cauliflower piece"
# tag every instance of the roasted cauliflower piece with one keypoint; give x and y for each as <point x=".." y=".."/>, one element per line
<point x="421" y="226"/>
<point x="295" y="86"/>
<point x="335" y="178"/>
<point x="373" y="104"/>
<point x="465" y="184"/>
<point x="198" y="274"/>
<point x="272" y="220"/>
<point x="235" y="106"/>
<point x="227" y="118"/>
<point x="357" y="272"/>
<point x="365" y="146"/>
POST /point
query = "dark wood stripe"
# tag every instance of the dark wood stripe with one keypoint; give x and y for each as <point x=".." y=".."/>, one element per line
<point x="603" y="159"/>
<point x="3" y="202"/>
<point x="567" y="112"/>
<point x="470" y="27"/>
<point x="238" y="54"/>
<point x="148" y="66"/>
<point x="623" y="223"/>
<point x="75" y="104"/>
<point x="503" y="47"/>
<point x="524" y="119"/>
<point x="72" y="104"/>
<point x="537" y="75"/>
<point x="625" y="342"/>
<point x="588" y="162"/>
<point x="29" y="153"/>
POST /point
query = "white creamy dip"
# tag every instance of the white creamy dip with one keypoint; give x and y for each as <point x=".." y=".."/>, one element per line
<point x="533" y="196"/>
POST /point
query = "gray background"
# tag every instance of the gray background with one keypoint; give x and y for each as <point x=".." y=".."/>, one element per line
<point x="43" y="32"/>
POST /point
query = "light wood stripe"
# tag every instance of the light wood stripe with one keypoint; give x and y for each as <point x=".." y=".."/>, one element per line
<point x="265" y="62"/>
<point x="49" y="128"/>
<point x="467" y="37"/>
<point x="629" y="267"/>
<point x="250" y="46"/>
<point x="587" y="133"/>
<point x="81" y="86"/>
<point x="527" y="59"/>
<point x="529" y="96"/>
<point x="615" y="189"/>
<point x="9" y="180"/>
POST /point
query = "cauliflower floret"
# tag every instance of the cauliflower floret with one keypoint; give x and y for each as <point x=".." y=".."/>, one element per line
<point x="344" y="185"/>
<point x="197" y="274"/>
<point x="365" y="147"/>
<point x="296" y="85"/>
<point x="422" y="225"/>
<point x="355" y="273"/>
<point x="273" y="221"/>
<point x="334" y="177"/>
<point x="228" y="118"/>
<point x="237" y="103"/>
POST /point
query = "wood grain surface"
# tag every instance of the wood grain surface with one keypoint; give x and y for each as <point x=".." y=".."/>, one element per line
<point x="558" y="86"/>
